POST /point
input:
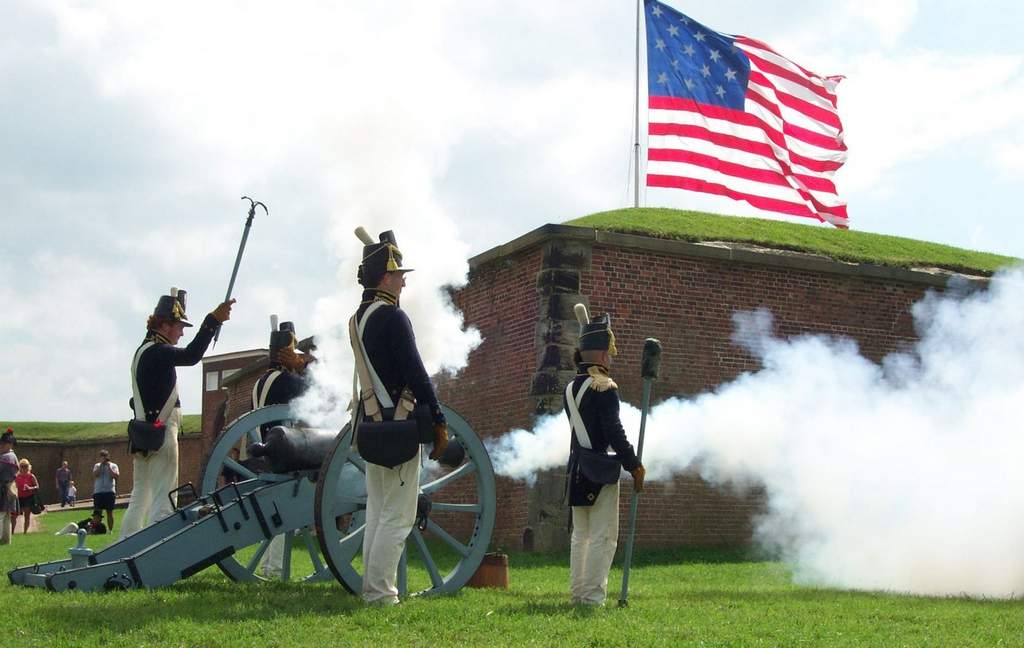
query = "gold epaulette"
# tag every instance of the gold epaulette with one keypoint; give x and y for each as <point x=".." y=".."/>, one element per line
<point x="602" y="381"/>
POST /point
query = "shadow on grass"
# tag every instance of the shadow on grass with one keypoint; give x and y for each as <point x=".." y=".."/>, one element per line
<point x="645" y="557"/>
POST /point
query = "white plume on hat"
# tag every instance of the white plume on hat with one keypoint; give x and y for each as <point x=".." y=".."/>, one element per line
<point x="581" y="314"/>
<point x="364" y="236"/>
<point x="273" y="323"/>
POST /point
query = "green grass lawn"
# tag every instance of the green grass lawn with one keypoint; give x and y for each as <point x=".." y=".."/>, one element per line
<point x="71" y="431"/>
<point x="844" y="245"/>
<point x="677" y="598"/>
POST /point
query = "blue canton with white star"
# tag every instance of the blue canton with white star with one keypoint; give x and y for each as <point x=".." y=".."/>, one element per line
<point x="686" y="59"/>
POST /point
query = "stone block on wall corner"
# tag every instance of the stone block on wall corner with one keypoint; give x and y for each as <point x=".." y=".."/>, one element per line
<point x="555" y="280"/>
<point x="558" y="356"/>
<point x="569" y="255"/>
<point x="559" y="306"/>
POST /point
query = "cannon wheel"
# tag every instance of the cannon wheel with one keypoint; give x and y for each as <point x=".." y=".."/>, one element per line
<point x="341" y="546"/>
<point x="247" y="427"/>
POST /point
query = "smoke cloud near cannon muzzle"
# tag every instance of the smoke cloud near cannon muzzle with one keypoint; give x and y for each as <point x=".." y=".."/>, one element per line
<point x="900" y="475"/>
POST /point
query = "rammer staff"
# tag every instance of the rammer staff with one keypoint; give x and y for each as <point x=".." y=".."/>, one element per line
<point x="649" y="367"/>
<point x="241" y="248"/>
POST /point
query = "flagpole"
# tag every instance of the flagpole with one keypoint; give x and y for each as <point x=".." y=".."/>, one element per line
<point x="636" y="113"/>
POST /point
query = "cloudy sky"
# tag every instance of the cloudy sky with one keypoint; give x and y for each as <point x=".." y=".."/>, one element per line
<point x="130" y="130"/>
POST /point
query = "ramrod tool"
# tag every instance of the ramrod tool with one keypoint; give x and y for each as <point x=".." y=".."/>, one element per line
<point x="241" y="248"/>
<point x="650" y="364"/>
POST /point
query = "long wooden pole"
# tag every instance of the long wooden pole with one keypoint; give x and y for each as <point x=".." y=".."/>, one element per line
<point x="649" y="367"/>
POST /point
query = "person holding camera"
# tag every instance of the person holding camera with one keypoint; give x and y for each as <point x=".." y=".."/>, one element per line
<point x="392" y="380"/>
<point x="592" y="405"/>
<point x="155" y="401"/>
<point x="93" y="524"/>
<point x="104" y="487"/>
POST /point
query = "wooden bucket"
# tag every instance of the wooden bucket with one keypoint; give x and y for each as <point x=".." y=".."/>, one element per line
<point x="492" y="572"/>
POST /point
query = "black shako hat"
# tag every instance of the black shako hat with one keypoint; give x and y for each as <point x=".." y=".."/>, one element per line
<point x="8" y="437"/>
<point x="172" y="307"/>
<point x="595" y="334"/>
<point x="281" y="336"/>
<point x="378" y="258"/>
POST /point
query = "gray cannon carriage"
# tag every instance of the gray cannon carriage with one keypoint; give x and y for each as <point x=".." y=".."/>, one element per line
<point x="322" y="507"/>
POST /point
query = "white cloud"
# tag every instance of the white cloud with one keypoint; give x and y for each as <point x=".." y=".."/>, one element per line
<point x="899" y="108"/>
<point x="1008" y="158"/>
<point x="888" y="18"/>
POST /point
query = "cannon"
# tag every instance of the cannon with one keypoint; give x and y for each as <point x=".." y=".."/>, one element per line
<point x="319" y="506"/>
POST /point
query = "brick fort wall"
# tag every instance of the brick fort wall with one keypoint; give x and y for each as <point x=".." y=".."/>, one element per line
<point x="520" y="296"/>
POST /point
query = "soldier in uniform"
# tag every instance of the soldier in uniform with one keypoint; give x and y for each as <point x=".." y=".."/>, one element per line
<point x="595" y="506"/>
<point x="284" y="380"/>
<point x="156" y="399"/>
<point x="385" y="334"/>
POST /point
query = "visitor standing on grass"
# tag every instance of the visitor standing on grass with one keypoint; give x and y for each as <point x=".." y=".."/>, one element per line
<point x="63" y="480"/>
<point x="104" y="486"/>
<point x="592" y="405"/>
<point x="392" y="380"/>
<point x="28" y="486"/>
<point x="155" y="380"/>
<point x="8" y="489"/>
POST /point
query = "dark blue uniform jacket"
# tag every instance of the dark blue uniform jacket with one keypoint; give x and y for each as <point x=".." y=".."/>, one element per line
<point x="285" y="387"/>
<point x="391" y="347"/>
<point x="156" y="374"/>
<point x="599" y="411"/>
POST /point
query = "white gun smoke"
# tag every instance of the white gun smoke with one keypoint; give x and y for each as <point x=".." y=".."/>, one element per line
<point x="902" y="476"/>
<point x="442" y="338"/>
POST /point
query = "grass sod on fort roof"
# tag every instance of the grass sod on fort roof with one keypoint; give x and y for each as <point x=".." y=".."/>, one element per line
<point x="691" y="597"/>
<point x="77" y="431"/>
<point x="842" y="245"/>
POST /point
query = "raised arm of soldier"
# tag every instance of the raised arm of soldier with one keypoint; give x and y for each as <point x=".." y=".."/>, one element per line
<point x="193" y="353"/>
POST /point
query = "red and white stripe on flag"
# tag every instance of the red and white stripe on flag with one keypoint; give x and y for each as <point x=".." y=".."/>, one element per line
<point x="775" y="146"/>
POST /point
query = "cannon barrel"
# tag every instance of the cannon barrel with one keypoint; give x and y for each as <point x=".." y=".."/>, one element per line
<point x="294" y="448"/>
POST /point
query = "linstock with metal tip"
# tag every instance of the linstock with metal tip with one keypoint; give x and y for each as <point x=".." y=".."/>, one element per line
<point x="241" y="248"/>
<point x="650" y="366"/>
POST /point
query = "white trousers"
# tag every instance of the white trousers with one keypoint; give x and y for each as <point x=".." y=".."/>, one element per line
<point x="5" y="527"/>
<point x="391" y="495"/>
<point x="153" y="477"/>
<point x="595" y="533"/>
<point x="272" y="562"/>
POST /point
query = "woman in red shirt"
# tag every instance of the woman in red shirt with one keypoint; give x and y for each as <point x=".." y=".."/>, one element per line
<point x="27" y="486"/>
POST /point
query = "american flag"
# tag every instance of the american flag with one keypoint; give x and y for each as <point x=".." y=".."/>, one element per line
<point x="730" y="116"/>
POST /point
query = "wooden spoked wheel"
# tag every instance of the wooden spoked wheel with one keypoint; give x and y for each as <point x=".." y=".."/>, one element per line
<point x="439" y="559"/>
<point x="246" y="566"/>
